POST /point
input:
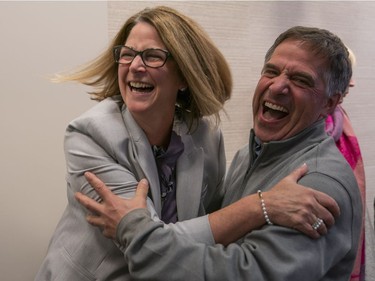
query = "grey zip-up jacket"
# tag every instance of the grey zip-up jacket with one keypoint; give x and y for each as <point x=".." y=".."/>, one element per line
<point x="272" y="253"/>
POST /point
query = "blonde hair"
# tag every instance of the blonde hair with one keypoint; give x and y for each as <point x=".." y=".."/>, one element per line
<point x="352" y="57"/>
<point x="200" y="62"/>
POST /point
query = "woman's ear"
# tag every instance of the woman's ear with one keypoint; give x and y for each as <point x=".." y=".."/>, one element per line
<point x="183" y="86"/>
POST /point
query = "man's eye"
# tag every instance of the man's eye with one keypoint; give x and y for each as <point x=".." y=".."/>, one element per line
<point x="302" y="82"/>
<point x="270" y="72"/>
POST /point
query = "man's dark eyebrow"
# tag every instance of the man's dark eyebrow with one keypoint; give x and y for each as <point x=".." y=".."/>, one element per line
<point x="292" y="74"/>
<point x="269" y="66"/>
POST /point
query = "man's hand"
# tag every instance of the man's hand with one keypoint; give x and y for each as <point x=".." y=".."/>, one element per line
<point x="299" y="207"/>
<point x="113" y="208"/>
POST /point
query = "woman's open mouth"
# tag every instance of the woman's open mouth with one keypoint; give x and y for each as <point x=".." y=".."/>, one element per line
<point x="140" y="87"/>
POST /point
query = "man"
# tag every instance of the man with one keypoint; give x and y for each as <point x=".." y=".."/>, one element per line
<point x="305" y="73"/>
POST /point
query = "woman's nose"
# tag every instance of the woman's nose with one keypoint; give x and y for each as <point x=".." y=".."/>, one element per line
<point x="137" y="63"/>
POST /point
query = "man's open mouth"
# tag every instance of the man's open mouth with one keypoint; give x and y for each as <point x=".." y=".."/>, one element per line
<point x="274" y="111"/>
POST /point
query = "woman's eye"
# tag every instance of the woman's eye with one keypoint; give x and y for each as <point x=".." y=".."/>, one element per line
<point x="126" y="55"/>
<point x="154" y="56"/>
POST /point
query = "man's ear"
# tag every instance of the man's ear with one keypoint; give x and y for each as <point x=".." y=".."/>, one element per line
<point x="332" y="102"/>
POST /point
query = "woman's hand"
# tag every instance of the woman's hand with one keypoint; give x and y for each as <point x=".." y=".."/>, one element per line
<point x="113" y="208"/>
<point x="292" y="205"/>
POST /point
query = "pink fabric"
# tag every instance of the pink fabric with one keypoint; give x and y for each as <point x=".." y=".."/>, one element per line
<point x="339" y="127"/>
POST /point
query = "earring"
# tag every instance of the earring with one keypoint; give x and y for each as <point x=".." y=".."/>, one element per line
<point x="182" y="89"/>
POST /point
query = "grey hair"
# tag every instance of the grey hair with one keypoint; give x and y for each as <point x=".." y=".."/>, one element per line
<point x="326" y="45"/>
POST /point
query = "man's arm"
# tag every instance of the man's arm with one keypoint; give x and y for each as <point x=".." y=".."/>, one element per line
<point x="113" y="208"/>
<point x="285" y="203"/>
<point x="271" y="253"/>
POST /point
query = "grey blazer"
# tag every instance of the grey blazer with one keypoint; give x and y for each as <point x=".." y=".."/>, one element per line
<point x="107" y="141"/>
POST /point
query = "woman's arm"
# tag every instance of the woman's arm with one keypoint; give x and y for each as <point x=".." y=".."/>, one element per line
<point x="83" y="152"/>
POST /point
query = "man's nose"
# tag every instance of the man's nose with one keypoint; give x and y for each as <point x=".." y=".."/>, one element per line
<point x="279" y="85"/>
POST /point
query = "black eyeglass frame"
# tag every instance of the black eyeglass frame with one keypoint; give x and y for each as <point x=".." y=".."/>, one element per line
<point x="117" y="49"/>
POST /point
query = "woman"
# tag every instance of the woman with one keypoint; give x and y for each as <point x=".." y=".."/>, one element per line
<point x="157" y="80"/>
<point x="338" y="126"/>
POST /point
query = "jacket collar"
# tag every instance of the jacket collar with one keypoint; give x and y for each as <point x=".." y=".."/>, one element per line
<point x="190" y="166"/>
<point x="278" y="149"/>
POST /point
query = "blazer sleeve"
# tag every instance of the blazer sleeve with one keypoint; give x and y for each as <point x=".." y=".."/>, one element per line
<point x="271" y="253"/>
<point x="89" y="148"/>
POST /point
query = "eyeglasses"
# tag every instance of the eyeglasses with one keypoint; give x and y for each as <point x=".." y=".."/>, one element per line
<point x="153" y="58"/>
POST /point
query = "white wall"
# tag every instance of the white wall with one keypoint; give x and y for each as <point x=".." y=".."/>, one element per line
<point x="244" y="30"/>
<point x="38" y="39"/>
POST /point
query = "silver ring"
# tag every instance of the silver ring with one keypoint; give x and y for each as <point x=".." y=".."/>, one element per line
<point x="317" y="224"/>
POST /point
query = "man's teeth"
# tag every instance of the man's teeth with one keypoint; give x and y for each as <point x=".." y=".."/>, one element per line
<point x="276" y="107"/>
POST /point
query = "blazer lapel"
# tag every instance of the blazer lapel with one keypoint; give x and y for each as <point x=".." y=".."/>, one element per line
<point x="190" y="167"/>
<point x="143" y="158"/>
